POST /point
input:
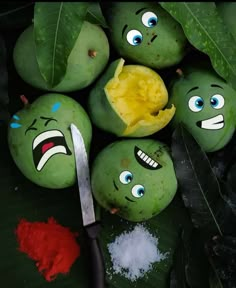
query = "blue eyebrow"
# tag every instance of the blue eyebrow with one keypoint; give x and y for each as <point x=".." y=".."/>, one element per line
<point x="56" y="106"/>
<point x="16" y="117"/>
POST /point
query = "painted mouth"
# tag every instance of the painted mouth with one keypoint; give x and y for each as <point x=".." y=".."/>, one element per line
<point x="47" y="144"/>
<point x="153" y="38"/>
<point x="213" y="123"/>
<point x="145" y="160"/>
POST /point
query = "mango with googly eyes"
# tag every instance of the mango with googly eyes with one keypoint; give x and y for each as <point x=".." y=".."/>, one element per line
<point x="134" y="178"/>
<point x="205" y="103"/>
<point x="145" y="33"/>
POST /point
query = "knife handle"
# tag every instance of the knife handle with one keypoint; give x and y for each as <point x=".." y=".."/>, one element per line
<point x="97" y="261"/>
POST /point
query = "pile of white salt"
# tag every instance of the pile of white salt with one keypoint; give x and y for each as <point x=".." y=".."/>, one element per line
<point x="133" y="253"/>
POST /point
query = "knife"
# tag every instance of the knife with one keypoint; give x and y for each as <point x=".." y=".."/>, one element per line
<point x="91" y="226"/>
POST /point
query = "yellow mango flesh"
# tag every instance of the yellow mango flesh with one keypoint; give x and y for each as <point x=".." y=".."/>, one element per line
<point x="138" y="95"/>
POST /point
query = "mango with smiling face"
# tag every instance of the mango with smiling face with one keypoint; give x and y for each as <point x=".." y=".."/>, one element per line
<point x="205" y="104"/>
<point x="145" y="33"/>
<point x="134" y="178"/>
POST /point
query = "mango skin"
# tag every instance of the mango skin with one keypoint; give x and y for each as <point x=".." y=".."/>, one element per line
<point x="98" y="104"/>
<point x="206" y="83"/>
<point x="167" y="49"/>
<point x="110" y="168"/>
<point x="60" y="170"/>
<point x="82" y="70"/>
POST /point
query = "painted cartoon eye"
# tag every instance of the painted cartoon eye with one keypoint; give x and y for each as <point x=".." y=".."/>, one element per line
<point x="134" y="37"/>
<point x="149" y="19"/>
<point x="126" y="177"/>
<point x="217" y="101"/>
<point x="138" y="191"/>
<point x="196" y="103"/>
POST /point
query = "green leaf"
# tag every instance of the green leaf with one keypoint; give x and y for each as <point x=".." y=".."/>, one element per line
<point x="206" y="31"/>
<point x="196" y="265"/>
<point x="198" y="184"/>
<point x="227" y="11"/>
<point x="178" y="275"/>
<point x="222" y="257"/>
<point x="95" y="16"/>
<point x="56" y="29"/>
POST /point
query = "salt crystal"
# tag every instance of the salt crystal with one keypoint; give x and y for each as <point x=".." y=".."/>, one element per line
<point x="133" y="253"/>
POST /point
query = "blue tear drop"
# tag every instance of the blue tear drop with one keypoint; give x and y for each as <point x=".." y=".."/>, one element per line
<point x="56" y="106"/>
<point x="15" y="125"/>
<point x="16" y="117"/>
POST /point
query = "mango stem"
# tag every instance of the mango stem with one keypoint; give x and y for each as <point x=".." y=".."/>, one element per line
<point x="24" y="100"/>
<point x="92" y="53"/>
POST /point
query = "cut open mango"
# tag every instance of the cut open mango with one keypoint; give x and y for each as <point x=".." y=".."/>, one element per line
<point x="137" y="95"/>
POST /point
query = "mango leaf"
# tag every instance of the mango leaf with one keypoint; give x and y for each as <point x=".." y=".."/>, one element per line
<point x="196" y="264"/>
<point x="95" y="16"/>
<point x="15" y="15"/>
<point x="231" y="178"/>
<point x="198" y="184"/>
<point x="227" y="11"/>
<point x="178" y="275"/>
<point x="214" y="281"/>
<point x="223" y="159"/>
<point x="222" y="256"/>
<point x="206" y="31"/>
<point x="56" y="29"/>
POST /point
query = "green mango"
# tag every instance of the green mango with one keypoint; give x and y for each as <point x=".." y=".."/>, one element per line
<point x="134" y="178"/>
<point x="205" y="103"/>
<point x="129" y="101"/>
<point x="83" y="66"/>
<point x="143" y="32"/>
<point x="40" y="140"/>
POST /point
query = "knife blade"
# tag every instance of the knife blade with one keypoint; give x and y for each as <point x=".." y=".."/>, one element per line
<point x="92" y="227"/>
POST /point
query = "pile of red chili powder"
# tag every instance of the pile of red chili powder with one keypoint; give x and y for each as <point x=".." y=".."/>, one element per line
<point x="52" y="246"/>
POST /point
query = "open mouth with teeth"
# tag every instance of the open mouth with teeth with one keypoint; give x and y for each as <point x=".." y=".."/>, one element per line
<point x="145" y="160"/>
<point x="213" y="123"/>
<point x="47" y="144"/>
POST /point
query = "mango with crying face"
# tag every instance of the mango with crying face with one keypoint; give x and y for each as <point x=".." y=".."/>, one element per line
<point x="40" y="139"/>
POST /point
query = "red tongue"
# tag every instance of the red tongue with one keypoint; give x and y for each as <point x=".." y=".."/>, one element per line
<point x="47" y="146"/>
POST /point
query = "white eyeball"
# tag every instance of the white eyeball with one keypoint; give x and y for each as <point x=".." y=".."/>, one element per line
<point x="126" y="177"/>
<point x="134" y="37"/>
<point x="138" y="191"/>
<point x="196" y="103"/>
<point x="217" y="101"/>
<point x="149" y="19"/>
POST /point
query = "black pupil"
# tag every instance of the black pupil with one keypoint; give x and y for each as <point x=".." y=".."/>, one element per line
<point x="137" y="39"/>
<point x="213" y="101"/>
<point x="153" y="22"/>
<point x="140" y="192"/>
<point x="129" y="178"/>
<point x="199" y="103"/>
